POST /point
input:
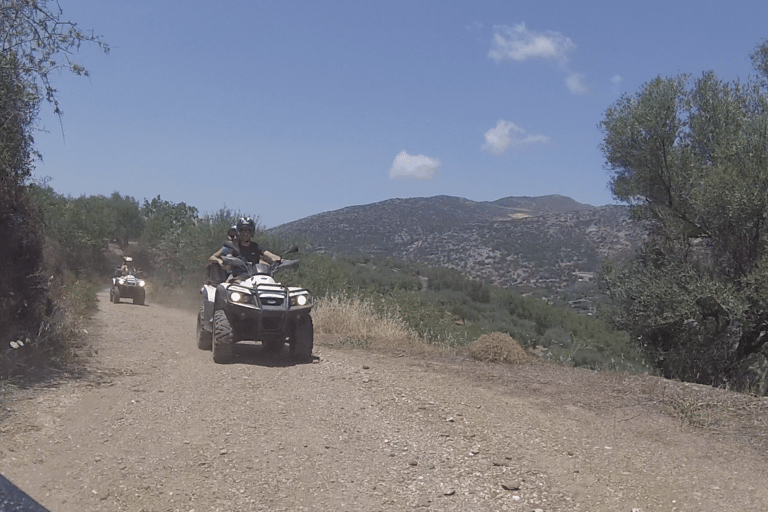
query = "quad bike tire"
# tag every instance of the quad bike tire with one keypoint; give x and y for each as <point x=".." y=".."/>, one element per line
<point x="223" y="344"/>
<point x="204" y="338"/>
<point x="115" y="294"/>
<point x="303" y="340"/>
<point x="140" y="299"/>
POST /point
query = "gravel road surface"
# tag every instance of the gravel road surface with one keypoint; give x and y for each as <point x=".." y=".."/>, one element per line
<point x="157" y="426"/>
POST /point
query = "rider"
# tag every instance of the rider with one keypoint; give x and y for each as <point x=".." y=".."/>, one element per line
<point x="246" y="248"/>
<point x="232" y="233"/>
<point x="231" y="237"/>
<point x="127" y="266"/>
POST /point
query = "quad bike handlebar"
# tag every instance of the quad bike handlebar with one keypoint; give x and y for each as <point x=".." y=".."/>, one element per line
<point x="252" y="269"/>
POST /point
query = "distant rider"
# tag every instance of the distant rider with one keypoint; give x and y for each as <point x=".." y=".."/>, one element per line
<point x="127" y="266"/>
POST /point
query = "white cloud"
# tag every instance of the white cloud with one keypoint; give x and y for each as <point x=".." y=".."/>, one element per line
<point x="410" y="166"/>
<point x="576" y="84"/>
<point x="519" y="44"/>
<point x="506" y="135"/>
<point x="475" y="26"/>
<point x="616" y="81"/>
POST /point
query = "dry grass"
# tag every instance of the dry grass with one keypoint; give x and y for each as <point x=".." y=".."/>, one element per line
<point x="498" y="347"/>
<point x="351" y="322"/>
<point x="357" y="323"/>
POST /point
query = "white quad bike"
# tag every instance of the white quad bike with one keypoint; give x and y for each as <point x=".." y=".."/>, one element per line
<point x="127" y="286"/>
<point x="251" y="305"/>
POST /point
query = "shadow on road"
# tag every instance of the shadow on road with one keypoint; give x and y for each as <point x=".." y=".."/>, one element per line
<point x="253" y="353"/>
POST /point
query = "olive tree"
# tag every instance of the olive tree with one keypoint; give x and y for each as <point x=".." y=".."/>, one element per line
<point x="691" y="159"/>
<point x="41" y="41"/>
<point x="35" y="42"/>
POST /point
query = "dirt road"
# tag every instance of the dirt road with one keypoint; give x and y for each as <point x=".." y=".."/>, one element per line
<point x="157" y="426"/>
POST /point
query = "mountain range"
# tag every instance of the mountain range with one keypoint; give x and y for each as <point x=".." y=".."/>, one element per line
<point x="533" y="242"/>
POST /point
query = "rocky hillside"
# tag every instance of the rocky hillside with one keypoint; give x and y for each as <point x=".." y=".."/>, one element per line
<point x="544" y="242"/>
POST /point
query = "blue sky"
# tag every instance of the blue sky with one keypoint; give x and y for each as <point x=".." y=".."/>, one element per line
<point x="283" y="109"/>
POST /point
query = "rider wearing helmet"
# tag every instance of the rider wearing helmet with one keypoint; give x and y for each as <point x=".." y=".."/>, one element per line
<point x="246" y="248"/>
<point x="232" y="233"/>
<point x="232" y="237"/>
<point x="127" y="266"/>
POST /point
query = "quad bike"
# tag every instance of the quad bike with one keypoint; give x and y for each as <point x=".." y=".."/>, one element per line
<point x="127" y="286"/>
<point x="251" y="305"/>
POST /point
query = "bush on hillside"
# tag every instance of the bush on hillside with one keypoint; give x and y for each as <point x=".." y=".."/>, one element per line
<point x="498" y="348"/>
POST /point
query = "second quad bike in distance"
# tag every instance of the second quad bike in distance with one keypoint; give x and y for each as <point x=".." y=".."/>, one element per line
<point x="127" y="284"/>
<point x="253" y="306"/>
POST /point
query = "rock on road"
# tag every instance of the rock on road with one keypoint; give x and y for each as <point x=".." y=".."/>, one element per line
<point x="157" y="426"/>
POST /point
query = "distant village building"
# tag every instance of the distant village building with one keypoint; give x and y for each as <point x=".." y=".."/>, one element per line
<point x="424" y="280"/>
<point x="586" y="277"/>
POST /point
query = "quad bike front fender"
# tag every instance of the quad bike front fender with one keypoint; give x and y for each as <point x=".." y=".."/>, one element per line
<point x="209" y="298"/>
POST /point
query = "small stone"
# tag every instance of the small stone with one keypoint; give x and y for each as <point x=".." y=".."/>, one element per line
<point x="449" y="492"/>
<point x="413" y="463"/>
<point x="101" y="495"/>
<point x="512" y="485"/>
<point x="366" y="367"/>
<point x="449" y="419"/>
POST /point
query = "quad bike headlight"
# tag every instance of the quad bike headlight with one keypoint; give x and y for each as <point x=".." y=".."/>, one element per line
<point x="239" y="297"/>
<point x="141" y="283"/>
<point x="121" y="281"/>
<point x="301" y="299"/>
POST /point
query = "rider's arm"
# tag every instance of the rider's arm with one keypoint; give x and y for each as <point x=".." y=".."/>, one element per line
<point x="216" y="258"/>
<point x="269" y="257"/>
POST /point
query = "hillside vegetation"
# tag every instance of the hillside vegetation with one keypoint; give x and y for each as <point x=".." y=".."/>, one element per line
<point x="681" y="269"/>
<point x="547" y="242"/>
<point x="443" y="307"/>
<point x="35" y="322"/>
<point x="690" y="156"/>
<point x="435" y="306"/>
<point x="365" y="301"/>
